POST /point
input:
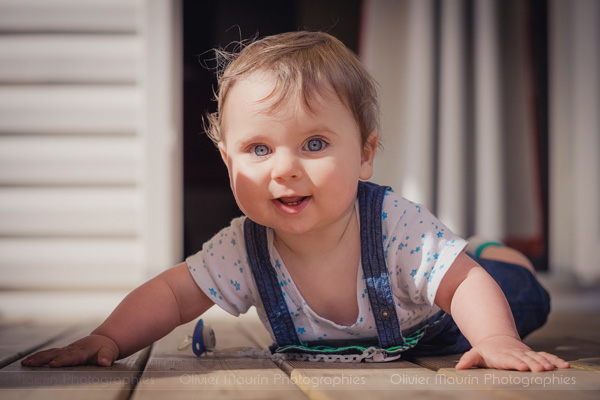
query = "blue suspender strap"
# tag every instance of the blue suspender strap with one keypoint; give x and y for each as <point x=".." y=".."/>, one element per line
<point x="370" y="202"/>
<point x="370" y="199"/>
<point x="267" y="284"/>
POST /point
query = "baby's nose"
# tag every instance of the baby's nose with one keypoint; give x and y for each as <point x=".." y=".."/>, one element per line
<point x="286" y="166"/>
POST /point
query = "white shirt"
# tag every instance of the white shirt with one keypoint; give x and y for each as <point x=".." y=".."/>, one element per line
<point x="418" y="248"/>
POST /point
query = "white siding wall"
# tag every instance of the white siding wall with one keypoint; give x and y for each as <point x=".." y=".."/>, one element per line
<point x="89" y="142"/>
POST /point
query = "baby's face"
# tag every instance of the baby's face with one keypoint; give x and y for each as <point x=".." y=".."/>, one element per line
<point x="291" y="169"/>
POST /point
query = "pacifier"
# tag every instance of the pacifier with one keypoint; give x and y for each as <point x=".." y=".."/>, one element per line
<point x="203" y="339"/>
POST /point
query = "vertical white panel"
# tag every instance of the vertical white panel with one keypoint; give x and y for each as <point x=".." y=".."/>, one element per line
<point x="586" y="138"/>
<point x="561" y="151"/>
<point x="489" y="221"/>
<point x="575" y="139"/>
<point x="452" y="188"/>
<point x="416" y="150"/>
<point x="161" y="127"/>
<point x="383" y="45"/>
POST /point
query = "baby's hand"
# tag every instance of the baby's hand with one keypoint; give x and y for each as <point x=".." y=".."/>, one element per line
<point x="93" y="349"/>
<point x="505" y="352"/>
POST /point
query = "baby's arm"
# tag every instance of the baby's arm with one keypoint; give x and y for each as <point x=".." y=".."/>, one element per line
<point x="145" y="315"/>
<point x="483" y="315"/>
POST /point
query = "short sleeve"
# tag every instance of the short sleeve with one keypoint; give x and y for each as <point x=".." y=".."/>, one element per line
<point x="222" y="272"/>
<point x="419" y="249"/>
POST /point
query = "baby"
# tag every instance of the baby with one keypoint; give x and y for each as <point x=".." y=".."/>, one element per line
<point x="324" y="256"/>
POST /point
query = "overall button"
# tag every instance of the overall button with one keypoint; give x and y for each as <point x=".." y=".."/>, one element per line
<point x="384" y="313"/>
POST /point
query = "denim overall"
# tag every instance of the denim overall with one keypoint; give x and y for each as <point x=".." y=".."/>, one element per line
<point x="439" y="336"/>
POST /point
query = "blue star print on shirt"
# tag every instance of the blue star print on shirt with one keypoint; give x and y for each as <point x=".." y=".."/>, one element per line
<point x="423" y="266"/>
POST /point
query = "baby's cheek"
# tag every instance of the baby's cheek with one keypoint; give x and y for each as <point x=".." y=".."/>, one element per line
<point x="334" y="174"/>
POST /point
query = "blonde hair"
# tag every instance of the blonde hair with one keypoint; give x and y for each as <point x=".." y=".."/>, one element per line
<point x="304" y="64"/>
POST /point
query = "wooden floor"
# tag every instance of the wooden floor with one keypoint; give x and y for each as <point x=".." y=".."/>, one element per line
<point x="163" y="372"/>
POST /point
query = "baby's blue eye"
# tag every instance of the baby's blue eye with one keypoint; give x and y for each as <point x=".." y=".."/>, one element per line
<point x="260" y="150"/>
<point x="315" y="145"/>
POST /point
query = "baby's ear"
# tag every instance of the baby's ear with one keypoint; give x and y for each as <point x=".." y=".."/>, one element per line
<point x="223" y="151"/>
<point x="368" y="155"/>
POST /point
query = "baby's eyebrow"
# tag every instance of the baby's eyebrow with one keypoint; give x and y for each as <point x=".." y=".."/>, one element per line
<point x="321" y="129"/>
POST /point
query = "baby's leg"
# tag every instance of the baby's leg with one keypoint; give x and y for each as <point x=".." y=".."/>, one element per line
<point x="482" y="248"/>
<point x="507" y="254"/>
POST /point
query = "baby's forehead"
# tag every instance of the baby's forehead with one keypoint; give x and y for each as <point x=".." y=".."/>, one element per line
<point x="277" y="92"/>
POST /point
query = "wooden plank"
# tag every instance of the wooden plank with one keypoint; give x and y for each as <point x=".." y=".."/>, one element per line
<point x="90" y="382"/>
<point x="183" y="375"/>
<point x="588" y="364"/>
<point x="69" y="109"/>
<point x="322" y="380"/>
<point x="392" y="380"/>
<point x="558" y="384"/>
<point x="572" y="323"/>
<point x="356" y="380"/>
<point x="570" y="350"/>
<point x="435" y="363"/>
<point x="566" y="347"/>
<point x="68" y="15"/>
<point x="18" y="339"/>
<point x="61" y="58"/>
<point x="69" y="160"/>
<point x="570" y="334"/>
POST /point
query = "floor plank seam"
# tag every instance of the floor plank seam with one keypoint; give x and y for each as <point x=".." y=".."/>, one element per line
<point x="143" y="362"/>
<point x="21" y="354"/>
<point x="283" y="365"/>
<point x="422" y="364"/>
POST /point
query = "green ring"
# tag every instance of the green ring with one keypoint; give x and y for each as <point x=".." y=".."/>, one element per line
<point x="484" y="245"/>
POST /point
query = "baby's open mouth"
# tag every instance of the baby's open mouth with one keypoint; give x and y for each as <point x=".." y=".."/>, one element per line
<point x="292" y="201"/>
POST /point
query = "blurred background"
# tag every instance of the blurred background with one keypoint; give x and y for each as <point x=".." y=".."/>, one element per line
<point x="489" y="118"/>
